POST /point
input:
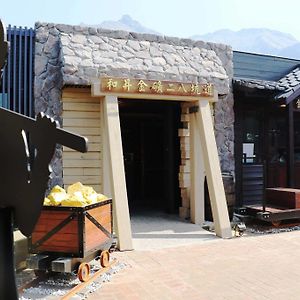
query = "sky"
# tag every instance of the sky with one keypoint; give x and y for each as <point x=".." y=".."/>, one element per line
<point x="181" y="18"/>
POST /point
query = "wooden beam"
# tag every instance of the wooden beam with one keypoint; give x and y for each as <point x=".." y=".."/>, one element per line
<point x="213" y="171"/>
<point x="114" y="152"/>
<point x="293" y="96"/>
<point x="96" y="92"/>
<point x="238" y="151"/>
<point x="197" y="173"/>
<point x="290" y="146"/>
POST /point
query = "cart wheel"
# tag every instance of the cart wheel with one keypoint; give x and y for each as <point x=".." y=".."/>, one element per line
<point x="276" y="223"/>
<point x="39" y="273"/>
<point x="104" y="258"/>
<point x="83" y="272"/>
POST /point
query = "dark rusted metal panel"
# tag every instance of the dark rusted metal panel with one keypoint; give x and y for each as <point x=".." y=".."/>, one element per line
<point x="8" y="68"/>
<point x="30" y="75"/>
<point x="16" y="91"/>
<point x="25" y="96"/>
<point x="14" y="68"/>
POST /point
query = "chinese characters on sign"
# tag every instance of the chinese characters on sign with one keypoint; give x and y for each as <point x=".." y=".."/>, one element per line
<point x="143" y="86"/>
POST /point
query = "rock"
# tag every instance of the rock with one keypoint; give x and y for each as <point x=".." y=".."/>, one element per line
<point x="143" y="54"/>
<point x="135" y="45"/>
<point x="159" y="61"/>
<point x="40" y="64"/>
<point x="79" y="39"/>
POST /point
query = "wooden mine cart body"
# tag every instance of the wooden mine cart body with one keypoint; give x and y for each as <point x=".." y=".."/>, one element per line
<point x="73" y="231"/>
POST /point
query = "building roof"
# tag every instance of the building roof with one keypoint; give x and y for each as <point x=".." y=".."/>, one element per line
<point x="291" y="82"/>
<point x="280" y="75"/>
<point x="287" y="87"/>
<point x="259" y="84"/>
<point x="262" y="66"/>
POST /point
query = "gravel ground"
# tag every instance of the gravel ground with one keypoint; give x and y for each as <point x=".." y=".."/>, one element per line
<point x="55" y="287"/>
<point x="256" y="227"/>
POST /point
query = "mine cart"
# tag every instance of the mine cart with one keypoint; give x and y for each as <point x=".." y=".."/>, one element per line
<point x="66" y="239"/>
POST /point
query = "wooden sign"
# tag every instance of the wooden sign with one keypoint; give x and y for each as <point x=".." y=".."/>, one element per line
<point x="154" y="87"/>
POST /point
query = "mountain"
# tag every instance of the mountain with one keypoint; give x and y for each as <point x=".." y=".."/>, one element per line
<point x="125" y="23"/>
<point x="257" y="40"/>
<point x="292" y="51"/>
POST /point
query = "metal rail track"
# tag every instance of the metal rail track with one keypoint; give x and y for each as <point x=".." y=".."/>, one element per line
<point x="35" y="282"/>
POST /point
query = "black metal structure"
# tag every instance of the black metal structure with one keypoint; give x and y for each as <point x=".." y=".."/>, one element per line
<point x="253" y="183"/>
<point x="24" y="175"/>
<point x="16" y="85"/>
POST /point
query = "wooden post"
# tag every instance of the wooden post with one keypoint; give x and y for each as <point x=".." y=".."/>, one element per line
<point x="197" y="173"/>
<point x="106" y="169"/>
<point x="213" y="171"/>
<point x="116" y="163"/>
<point x="290" y="146"/>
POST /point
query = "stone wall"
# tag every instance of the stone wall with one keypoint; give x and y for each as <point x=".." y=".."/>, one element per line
<point x="48" y="84"/>
<point x="78" y="55"/>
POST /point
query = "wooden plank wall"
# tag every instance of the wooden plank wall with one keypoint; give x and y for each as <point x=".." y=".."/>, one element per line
<point x="81" y="114"/>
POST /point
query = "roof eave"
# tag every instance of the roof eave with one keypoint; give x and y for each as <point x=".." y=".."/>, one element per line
<point x="293" y="96"/>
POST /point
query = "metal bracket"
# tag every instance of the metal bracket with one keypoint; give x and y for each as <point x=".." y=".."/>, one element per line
<point x="241" y="210"/>
<point x="98" y="225"/>
<point x="263" y="215"/>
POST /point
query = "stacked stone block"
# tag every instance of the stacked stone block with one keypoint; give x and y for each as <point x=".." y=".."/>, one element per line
<point x="184" y="169"/>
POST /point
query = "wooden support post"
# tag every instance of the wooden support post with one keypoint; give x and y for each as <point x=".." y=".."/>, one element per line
<point x="290" y="146"/>
<point x="106" y="170"/>
<point x="197" y="173"/>
<point x="118" y="182"/>
<point x="213" y="171"/>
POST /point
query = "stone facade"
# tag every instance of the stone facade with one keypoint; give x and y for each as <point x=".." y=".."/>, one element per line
<point x="78" y="55"/>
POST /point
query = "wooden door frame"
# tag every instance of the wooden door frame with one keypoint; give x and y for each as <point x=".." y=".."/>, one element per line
<point x="203" y="130"/>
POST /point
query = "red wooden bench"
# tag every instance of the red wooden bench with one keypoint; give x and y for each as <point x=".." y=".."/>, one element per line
<point x="283" y="197"/>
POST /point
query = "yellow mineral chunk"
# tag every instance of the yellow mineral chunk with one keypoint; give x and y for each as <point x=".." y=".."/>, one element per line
<point x="101" y="197"/>
<point x="57" y="189"/>
<point x="91" y="198"/>
<point x="56" y="198"/>
<point x="76" y="187"/>
<point x="72" y="202"/>
<point x="77" y="195"/>
<point x="47" y="201"/>
<point x="75" y="200"/>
